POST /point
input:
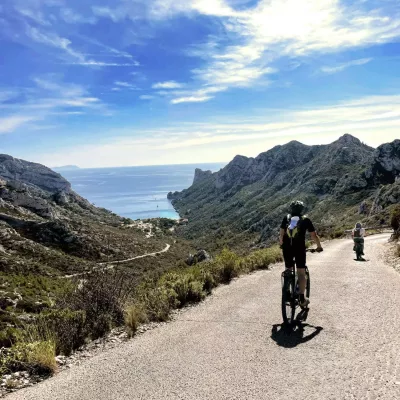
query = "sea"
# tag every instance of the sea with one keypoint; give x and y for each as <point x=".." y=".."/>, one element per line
<point x="135" y="192"/>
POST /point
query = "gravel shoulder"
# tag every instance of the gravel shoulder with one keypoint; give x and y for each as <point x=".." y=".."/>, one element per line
<point x="232" y="346"/>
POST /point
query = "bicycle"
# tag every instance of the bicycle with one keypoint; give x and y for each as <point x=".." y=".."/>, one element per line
<point x="290" y="295"/>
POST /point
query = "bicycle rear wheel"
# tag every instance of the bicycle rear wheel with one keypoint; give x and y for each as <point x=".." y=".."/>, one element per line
<point x="308" y="287"/>
<point x="288" y="297"/>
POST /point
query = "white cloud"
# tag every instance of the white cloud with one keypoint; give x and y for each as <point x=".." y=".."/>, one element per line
<point x="93" y="63"/>
<point x="11" y="123"/>
<point x="168" y="85"/>
<point x="374" y="119"/>
<point x="342" y="67"/>
<point x="255" y="38"/>
<point x="125" y="84"/>
<point x="194" y="96"/>
<point x="191" y="99"/>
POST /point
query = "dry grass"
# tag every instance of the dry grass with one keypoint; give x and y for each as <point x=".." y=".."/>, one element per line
<point x="41" y="355"/>
<point x="134" y="316"/>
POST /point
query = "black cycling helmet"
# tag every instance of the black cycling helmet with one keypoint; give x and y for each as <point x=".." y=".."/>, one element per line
<point x="297" y="208"/>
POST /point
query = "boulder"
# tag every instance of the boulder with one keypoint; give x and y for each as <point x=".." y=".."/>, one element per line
<point x="200" y="256"/>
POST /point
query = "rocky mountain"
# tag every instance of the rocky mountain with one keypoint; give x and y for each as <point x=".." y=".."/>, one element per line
<point x="242" y="204"/>
<point x="47" y="232"/>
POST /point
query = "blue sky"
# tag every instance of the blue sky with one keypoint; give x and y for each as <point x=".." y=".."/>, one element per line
<point x="145" y="82"/>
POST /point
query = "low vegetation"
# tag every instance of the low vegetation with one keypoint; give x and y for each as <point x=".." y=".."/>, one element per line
<point x="104" y="300"/>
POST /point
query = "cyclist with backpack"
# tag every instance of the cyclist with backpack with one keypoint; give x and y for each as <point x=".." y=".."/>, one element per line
<point x="358" y="237"/>
<point x="293" y="243"/>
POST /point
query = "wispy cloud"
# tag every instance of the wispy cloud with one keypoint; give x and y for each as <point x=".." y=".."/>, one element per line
<point x="53" y="40"/>
<point x="126" y="85"/>
<point x="92" y="63"/>
<point x="8" y="94"/>
<point x="72" y="17"/>
<point x="194" y="96"/>
<point x="49" y="97"/>
<point x="374" y="119"/>
<point x="191" y="99"/>
<point x="72" y="56"/>
<point x="146" y="97"/>
<point x="342" y="67"/>
<point x="34" y="15"/>
<point x="255" y="38"/>
<point x="13" y="122"/>
<point x="168" y="85"/>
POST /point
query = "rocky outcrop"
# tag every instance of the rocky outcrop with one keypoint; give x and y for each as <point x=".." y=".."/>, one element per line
<point x="32" y="174"/>
<point x="19" y="194"/>
<point x="200" y="256"/>
<point x="200" y="175"/>
<point x="386" y="165"/>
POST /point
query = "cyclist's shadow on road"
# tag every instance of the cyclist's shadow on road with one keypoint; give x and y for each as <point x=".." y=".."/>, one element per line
<point x="292" y="336"/>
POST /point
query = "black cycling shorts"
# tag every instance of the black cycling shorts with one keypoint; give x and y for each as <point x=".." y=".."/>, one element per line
<point x="292" y="255"/>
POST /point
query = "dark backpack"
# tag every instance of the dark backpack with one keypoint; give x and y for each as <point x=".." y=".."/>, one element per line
<point x="293" y="233"/>
<point x="357" y="233"/>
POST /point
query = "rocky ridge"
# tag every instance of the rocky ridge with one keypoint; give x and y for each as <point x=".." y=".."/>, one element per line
<point x="245" y="200"/>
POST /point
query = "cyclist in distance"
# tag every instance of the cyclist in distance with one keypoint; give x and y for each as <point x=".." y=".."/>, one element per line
<point x="293" y="243"/>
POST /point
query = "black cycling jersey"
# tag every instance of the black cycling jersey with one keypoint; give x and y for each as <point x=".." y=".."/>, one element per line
<point x="303" y="226"/>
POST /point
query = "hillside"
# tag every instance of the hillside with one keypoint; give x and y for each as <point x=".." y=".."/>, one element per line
<point x="47" y="231"/>
<point x="242" y="205"/>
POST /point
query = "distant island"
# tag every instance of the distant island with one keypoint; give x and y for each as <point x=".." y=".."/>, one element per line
<point x="66" y="168"/>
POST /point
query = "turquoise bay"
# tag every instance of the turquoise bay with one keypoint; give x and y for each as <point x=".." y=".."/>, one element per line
<point x="135" y="192"/>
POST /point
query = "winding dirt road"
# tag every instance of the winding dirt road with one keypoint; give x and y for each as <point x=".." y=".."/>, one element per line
<point x="232" y="346"/>
<point x="104" y="266"/>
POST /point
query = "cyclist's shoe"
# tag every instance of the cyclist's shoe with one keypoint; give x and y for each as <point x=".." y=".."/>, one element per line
<point x="305" y="303"/>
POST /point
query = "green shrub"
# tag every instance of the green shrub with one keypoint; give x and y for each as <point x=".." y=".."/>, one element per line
<point x="227" y="263"/>
<point x="195" y="291"/>
<point x="39" y="356"/>
<point x="395" y="219"/>
<point x="68" y="328"/>
<point x="102" y="298"/>
<point x="9" y="336"/>
<point x="134" y="316"/>
<point x="208" y="279"/>
<point x="158" y="302"/>
<point x="35" y="351"/>
<point x="179" y="283"/>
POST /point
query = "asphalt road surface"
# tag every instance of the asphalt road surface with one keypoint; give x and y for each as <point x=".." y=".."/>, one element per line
<point x="232" y="345"/>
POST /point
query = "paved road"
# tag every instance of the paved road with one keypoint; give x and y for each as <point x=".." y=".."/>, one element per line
<point x="231" y="346"/>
